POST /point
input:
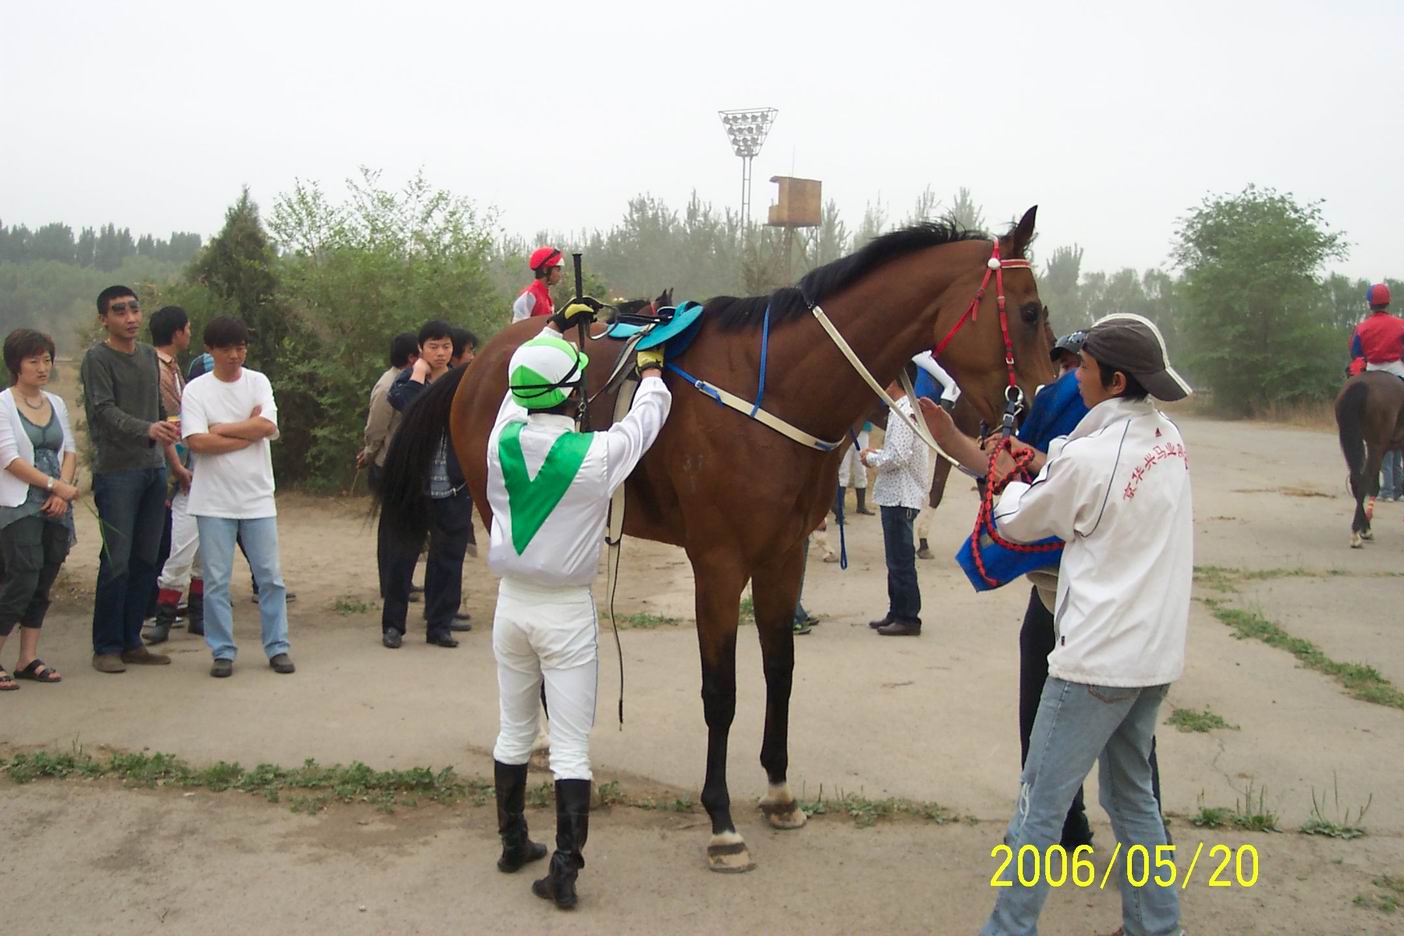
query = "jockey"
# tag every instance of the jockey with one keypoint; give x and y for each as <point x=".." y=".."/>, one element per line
<point x="549" y="487"/>
<point x="535" y="300"/>
<point x="1380" y="338"/>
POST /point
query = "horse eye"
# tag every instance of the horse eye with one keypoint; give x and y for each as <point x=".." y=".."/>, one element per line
<point x="1030" y="313"/>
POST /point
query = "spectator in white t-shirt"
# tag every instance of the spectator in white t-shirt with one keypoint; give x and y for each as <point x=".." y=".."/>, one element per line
<point x="228" y="418"/>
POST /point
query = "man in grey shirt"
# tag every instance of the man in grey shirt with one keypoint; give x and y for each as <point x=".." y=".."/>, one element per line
<point x="133" y="442"/>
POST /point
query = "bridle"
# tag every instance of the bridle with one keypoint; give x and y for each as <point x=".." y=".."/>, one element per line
<point x="1013" y="396"/>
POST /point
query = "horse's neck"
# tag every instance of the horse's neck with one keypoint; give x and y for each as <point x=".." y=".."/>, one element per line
<point x="887" y="317"/>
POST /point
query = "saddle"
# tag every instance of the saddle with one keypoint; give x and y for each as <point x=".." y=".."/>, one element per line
<point x="675" y="326"/>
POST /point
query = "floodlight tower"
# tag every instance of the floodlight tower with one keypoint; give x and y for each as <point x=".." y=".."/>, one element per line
<point x="747" y="128"/>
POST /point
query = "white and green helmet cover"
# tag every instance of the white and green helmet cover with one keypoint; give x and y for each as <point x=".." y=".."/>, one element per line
<point x="543" y="371"/>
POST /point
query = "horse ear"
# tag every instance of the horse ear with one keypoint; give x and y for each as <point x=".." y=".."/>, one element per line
<point x="1023" y="232"/>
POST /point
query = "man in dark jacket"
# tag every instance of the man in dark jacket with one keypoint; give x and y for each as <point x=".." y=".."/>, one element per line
<point x="450" y="516"/>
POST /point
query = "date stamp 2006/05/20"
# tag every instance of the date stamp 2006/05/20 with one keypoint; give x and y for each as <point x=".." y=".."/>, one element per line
<point x="1226" y="866"/>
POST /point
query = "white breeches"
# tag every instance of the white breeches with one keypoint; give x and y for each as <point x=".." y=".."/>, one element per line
<point x="546" y="635"/>
<point x="1390" y="367"/>
<point x="184" y="560"/>
<point x="851" y="470"/>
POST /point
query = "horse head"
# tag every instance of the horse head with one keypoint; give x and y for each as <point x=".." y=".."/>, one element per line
<point x="1029" y="339"/>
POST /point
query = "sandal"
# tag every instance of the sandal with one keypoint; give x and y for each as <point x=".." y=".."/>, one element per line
<point x="39" y="671"/>
<point x="7" y="682"/>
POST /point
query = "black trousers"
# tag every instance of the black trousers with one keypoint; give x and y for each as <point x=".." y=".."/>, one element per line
<point x="450" y="529"/>
<point x="31" y="552"/>
<point x="1036" y="641"/>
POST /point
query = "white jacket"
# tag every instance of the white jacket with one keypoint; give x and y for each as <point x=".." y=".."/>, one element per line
<point x="1117" y="491"/>
<point x="14" y="443"/>
<point x="565" y="550"/>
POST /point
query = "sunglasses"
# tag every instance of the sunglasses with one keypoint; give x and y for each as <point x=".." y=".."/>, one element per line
<point x="124" y="306"/>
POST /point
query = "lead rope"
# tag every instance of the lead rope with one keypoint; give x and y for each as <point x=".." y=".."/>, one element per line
<point x="995" y="484"/>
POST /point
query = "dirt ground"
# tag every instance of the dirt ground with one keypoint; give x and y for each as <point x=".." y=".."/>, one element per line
<point x="930" y="719"/>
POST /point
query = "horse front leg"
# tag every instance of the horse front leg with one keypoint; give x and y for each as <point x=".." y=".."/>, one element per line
<point x="775" y="589"/>
<point x="718" y="607"/>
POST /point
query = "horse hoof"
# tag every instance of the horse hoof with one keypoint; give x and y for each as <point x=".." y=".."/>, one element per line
<point x="727" y="854"/>
<point x="781" y="810"/>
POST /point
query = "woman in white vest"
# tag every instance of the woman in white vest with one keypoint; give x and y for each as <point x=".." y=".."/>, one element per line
<point x="549" y="488"/>
<point x="39" y="461"/>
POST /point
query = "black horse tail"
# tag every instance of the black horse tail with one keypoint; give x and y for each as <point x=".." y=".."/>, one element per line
<point x="1350" y="423"/>
<point x="403" y="497"/>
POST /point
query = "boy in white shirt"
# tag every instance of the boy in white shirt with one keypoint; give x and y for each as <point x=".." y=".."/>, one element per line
<point x="1116" y="490"/>
<point x="228" y="417"/>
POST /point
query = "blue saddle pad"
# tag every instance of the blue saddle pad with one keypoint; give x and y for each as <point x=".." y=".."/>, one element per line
<point x="1001" y="564"/>
<point x="685" y="316"/>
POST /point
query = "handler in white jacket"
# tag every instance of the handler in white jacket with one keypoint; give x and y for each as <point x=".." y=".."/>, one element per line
<point x="1117" y="491"/>
<point x="549" y="488"/>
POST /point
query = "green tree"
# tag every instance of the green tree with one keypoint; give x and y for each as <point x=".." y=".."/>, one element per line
<point x="1060" y="289"/>
<point x="964" y="212"/>
<point x="350" y="277"/>
<point x="1254" y="298"/>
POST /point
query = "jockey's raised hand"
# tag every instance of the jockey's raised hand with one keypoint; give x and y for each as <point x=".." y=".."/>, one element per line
<point x="579" y="310"/>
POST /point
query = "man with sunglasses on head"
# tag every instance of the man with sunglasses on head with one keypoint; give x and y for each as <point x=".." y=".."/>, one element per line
<point x="133" y="443"/>
<point x="535" y="300"/>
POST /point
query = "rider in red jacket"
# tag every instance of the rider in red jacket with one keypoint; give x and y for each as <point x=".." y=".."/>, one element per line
<point x="535" y="300"/>
<point x="1380" y="338"/>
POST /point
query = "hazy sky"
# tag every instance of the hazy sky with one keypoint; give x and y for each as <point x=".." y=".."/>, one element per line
<point x="1114" y="118"/>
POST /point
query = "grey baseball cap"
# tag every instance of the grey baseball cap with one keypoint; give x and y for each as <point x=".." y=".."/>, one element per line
<point x="1133" y="344"/>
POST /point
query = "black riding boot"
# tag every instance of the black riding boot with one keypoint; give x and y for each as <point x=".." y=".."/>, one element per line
<point x="195" y="612"/>
<point x="517" y="849"/>
<point x="862" y="500"/>
<point x="572" y="828"/>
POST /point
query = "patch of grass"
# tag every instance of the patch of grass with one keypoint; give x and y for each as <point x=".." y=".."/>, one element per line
<point x="1226" y="578"/>
<point x="748" y="611"/>
<point x="1251" y="816"/>
<point x="313" y="785"/>
<point x="609" y="793"/>
<point x="1341" y="825"/>
<point x="1360" y="681"/>
<point x="541" y="795"/>
<point x="1389" y="893"/>
<point x="1194" y="720"/>
<point x="1210" y="817"/>
<point x="646" y="621"/>
<point x="346" y="606"/>
<point x="866" y="812"/>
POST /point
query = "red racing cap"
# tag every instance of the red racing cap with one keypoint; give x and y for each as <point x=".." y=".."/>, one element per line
<point x="543" y="257"/>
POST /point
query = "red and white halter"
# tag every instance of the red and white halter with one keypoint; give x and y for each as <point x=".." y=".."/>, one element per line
<point x="994" y="267"/>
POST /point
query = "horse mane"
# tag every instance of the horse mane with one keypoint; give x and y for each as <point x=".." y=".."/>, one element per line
<point x="732" y="313"/>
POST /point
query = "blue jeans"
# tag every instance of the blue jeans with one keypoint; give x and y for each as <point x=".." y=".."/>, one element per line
<point x="1076" y="726"/>
<point x="903" y="595"/>
<point x="131" y="508"/>
<point x="260" y="538"/>
<point x="1393" y="485"/>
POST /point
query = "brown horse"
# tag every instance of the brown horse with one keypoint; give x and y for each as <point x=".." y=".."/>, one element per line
<point x="739" y="498"/>
<point x="1370" y="422"/>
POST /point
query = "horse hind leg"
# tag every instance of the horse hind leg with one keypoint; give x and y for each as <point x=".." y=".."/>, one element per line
<point x="775" y="591"/>
<point x="718" y="607"/>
